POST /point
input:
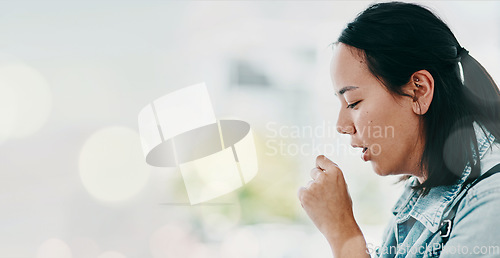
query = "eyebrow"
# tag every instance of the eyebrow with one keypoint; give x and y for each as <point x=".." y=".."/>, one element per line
<point x="345" y="89"/>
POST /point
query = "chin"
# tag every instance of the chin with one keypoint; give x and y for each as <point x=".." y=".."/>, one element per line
<point x="378" y="170"/>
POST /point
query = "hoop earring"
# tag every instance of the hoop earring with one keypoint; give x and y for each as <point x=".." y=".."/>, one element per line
<point x="416" y="80"/>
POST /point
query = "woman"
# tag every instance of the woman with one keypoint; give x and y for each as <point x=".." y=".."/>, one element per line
<point x="398" y="65"/>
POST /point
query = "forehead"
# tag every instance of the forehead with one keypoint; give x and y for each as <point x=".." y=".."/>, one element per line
<point x="348" y="67"/>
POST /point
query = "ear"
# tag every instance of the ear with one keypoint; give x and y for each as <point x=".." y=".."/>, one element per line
<point x="421" y="89"/>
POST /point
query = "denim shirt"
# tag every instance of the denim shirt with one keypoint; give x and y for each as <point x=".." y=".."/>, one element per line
<point x="414" y="229"/>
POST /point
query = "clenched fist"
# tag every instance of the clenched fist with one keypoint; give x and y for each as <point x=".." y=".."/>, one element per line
<point x="328" y="203"/>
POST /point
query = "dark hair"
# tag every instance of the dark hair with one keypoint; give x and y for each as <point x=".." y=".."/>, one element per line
<point x="396" y="40"/>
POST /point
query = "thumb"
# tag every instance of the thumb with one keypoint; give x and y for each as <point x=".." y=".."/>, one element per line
<point x="324" y="163"/>
<point x="329" y="167"/>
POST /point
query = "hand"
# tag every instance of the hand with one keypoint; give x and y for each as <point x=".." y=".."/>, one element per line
<point x="328" y="203"/>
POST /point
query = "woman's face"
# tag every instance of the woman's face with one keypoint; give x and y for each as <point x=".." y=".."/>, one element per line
<point x="382" y="123"/>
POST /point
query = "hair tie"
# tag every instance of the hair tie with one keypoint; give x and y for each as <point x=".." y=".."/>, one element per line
<point x="463" y="52"/>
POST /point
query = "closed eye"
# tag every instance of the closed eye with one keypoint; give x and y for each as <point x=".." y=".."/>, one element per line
<point x="353" y="104"/>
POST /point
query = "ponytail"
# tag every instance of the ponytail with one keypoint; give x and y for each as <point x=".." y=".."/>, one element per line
<point x="478" y="81"/>
<point x="483" y="96"/>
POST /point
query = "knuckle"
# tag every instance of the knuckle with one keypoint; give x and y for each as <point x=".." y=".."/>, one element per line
<point x="316" y="173"/>
<point x="313" y="172"/>
<point x="301" y="193"/>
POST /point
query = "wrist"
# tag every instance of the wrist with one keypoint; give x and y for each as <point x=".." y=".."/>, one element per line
<point x="347" y="240"/>
<point x="345" y="229"/>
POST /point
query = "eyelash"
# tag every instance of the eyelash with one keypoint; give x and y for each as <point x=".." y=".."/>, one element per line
<point x="353" y="104"/>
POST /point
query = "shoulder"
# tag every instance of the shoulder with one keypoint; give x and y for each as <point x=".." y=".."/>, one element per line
<point x="480" y="208"/>
<point x="476" y="224"/>
<point x="488" y="188"/>
<point x="484" y="193"/>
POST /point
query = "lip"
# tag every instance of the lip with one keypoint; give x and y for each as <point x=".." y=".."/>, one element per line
<point x="365" y="155"/>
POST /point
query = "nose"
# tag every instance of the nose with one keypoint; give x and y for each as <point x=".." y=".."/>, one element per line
<point x="344" y="124"/>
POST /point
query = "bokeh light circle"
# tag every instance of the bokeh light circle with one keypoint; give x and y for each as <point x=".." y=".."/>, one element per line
<point x="54" y="248"/>
<point x="25" y="100"/>
<point x="112" y="166"/>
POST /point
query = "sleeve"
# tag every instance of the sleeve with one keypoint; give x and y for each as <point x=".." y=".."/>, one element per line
<point x="476" y="229"/>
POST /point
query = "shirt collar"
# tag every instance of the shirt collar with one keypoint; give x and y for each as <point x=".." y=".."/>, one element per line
<point x="429" y="209"/>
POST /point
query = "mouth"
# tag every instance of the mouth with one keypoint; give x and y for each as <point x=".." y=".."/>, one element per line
<point x="360" y="146"/>
<point x="364" y="156"/>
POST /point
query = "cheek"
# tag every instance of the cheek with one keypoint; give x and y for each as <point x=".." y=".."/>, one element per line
<point x="380" y="128"/>
<point x="391" y="144"/>
<point x="374" y="125"/>
<point x="389" y="129"/>
<point x="384" y="122"/>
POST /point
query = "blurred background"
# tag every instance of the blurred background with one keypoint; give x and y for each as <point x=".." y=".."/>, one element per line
<point x="74" y="76"/>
